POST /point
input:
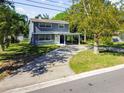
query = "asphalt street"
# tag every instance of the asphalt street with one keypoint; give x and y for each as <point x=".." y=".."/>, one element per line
<point x="111" y="82"/>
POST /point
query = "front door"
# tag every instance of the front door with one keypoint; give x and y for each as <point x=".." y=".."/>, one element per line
<point x="61" y="39"/>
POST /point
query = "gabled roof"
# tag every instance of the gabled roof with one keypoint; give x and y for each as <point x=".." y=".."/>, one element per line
<point x="49" y="21"/>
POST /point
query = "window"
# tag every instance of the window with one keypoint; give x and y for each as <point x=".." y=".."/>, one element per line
<point x="61" y="26"/>
<point x="45" y="25"/>
<point x="48" y="25"/>
<point x="45" y="37"/>
<point x="41" y="25"/>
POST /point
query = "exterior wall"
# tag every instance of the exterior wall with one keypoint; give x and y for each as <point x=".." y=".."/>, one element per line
<point x="34" y="28"/>
<point x="38" y="41"/>
<point x="46" y="38"/>
<point x="57" y="39"/>
<point x="53" y="28"/>
<point x="45" y="42"/>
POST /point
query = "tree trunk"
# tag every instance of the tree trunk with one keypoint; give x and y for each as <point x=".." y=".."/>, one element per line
<point x="1" y="49"/>
<point x="96" y="44"/>
<point x="14" y="39"/>
<point x="85" y="8"/>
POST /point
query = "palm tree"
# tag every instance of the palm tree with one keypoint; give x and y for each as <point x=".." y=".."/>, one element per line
<point x="44" y="16"/>
<point x="8" y="3"/>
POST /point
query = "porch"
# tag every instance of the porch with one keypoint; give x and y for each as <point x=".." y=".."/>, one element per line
<point x="61" y="38"/>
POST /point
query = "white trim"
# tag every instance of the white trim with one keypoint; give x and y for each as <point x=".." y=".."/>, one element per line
<point x="64" y="80"/>
<point x="57" y="33"/>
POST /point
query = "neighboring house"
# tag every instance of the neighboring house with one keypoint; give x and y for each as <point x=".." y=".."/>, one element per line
<point x="122" y="37"/>
<point x="20" y="37"/>
<point x="116" y="39"/>
<point x="44" y="31"/>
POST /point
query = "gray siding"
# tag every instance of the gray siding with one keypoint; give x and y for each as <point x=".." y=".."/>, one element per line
<point x="53" y="28"/>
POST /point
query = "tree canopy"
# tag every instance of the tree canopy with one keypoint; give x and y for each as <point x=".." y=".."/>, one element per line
<point x="98" y="18"/>
<point x="11" y="24"/>
<point x="61" y="16"/>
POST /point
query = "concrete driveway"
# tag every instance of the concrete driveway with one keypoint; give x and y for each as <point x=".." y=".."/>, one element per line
<point x="51" y="66"/>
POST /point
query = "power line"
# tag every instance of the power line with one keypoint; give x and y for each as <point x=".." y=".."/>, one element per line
<point x="58" y="2"/>
<point x="44" y="3"/>
<point x="36" y="6"/>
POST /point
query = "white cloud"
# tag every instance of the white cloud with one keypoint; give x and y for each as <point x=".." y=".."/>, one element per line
<point x="20" y="10"/>
<point x="114" y="1"/>
<point x="32" y="14"/>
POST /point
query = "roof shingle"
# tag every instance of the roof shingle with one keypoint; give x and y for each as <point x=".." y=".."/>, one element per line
<point x="49" y="21"/>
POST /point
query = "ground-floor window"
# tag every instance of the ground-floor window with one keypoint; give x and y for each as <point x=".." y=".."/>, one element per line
<point x="45" y="37"/>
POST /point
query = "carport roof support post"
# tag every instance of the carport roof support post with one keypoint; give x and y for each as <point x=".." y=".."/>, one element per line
<point x="79" y="39"/>
<point x="64" y="40"/>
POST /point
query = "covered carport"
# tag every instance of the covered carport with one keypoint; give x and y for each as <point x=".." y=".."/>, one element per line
<point x="65" y="36"/>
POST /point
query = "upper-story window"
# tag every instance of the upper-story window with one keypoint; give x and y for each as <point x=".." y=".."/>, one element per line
<point x="45" y="25"/>
<point x="61" y="26"/>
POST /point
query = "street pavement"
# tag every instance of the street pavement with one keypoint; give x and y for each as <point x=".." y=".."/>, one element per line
<point x="111" y="82"/>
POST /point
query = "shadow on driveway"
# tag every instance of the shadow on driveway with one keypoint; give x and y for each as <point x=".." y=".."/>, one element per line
<point x="39" y="65"/>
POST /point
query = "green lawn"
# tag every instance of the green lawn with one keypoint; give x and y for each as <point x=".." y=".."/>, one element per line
<point x="23" y="50"/>
<point x="86" y="61"/>
<point x="21" y="53"/>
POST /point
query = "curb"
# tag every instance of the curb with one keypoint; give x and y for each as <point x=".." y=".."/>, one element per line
<point x="64" y="80"/>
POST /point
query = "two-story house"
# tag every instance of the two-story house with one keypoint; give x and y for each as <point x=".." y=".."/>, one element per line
<point x="44" y="31"/>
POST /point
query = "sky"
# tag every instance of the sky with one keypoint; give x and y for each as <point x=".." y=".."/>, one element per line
<point x="31" y="12"/>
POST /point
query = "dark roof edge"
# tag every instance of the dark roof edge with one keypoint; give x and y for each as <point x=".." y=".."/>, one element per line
<point x="48" y="21"/>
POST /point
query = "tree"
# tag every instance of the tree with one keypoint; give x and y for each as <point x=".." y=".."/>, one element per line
<point x="74" y="1"/>
<point x="7" y="3"/>
<point x="11" y="25"/>
<point x="120" y="6"/>
<point x="61" y="16"/>
<point x="77" y="21"/>
<point x="102" y="20"/>
<point x="19" y="25"/>
<point x="98" y="17"/>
